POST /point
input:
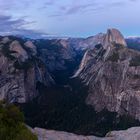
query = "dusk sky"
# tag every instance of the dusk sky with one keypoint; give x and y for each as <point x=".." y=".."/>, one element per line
<point x="73" y="18"/>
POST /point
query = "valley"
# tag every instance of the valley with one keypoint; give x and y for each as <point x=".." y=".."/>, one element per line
<point x="81" y="86"/>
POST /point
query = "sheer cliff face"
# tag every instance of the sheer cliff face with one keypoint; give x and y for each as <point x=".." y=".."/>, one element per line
<point x="20" y="70"/>
<point x="24" y="65"/>
<point x="112" y="73"/>
<point x="113" y="36"/>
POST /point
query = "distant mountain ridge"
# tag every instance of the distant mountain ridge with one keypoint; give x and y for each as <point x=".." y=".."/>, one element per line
<point x="133" y="42"/>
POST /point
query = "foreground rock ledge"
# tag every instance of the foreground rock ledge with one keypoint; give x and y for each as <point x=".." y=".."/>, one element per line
<point x="130" y="134"/>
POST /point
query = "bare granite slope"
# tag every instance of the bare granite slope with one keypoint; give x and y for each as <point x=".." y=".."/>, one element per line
<point x="112" y="73"/>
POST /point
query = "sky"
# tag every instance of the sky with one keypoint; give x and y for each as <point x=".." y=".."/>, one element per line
<point x="68" y="18"/>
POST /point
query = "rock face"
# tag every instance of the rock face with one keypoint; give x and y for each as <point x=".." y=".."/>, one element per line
<point x="113" y="36"/>
<point x="32" y="48"/>
<point x="112" y="73"/>
<point x="25" y="64"/>
<point x="82" y="44"/>
<point x="130" y="134"/>
<point x="19" y="71"/>
<point x="18" y="52"/>
<point x="56" y="135"/>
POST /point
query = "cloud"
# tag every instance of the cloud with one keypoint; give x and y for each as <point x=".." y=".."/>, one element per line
<point x="49" y="2"/>
<point x="10" y="26"/>
<point x="6" y="5"/>
<point x="77" y="8"/>
<point x="83" y="7"/>
<point x="65" y="16"/>
<point x="30" y="33"/>
<point x="133" y="0"/>
<point x="71" y="9"/>
<point x="117" y="4"/>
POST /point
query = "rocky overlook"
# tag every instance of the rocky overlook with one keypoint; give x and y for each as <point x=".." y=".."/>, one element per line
<point x="130" y="134"/>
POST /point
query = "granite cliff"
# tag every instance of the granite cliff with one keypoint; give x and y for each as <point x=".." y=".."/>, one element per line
<point x="112" y="73"/>
<point x="20" y="70"/>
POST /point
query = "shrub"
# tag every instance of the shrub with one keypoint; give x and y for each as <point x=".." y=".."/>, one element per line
<point x="24" y="65"/>
<point x="7" y="52"/>
<point x="12" y="125"/>
<point x="114" y="57"/>
<point x="135" y="61"/>
<point x="136" y="76"/>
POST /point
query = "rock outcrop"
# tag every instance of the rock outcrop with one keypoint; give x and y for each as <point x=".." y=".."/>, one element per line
<point x="32" y="48"/>
<point x="130" y="134"/>
<point x="20" y="71"/>
<point x="82" y="44"/>
<point x="112" y="73"/>
<point x="17" y="51"/>
<point x="113" y="36"/>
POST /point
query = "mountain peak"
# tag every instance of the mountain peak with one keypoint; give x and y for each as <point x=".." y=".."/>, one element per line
<point x="114" y="36"/>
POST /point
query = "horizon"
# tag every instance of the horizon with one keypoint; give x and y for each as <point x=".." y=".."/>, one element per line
<point x="62" y="37"/>
<point x="68" y="18"/>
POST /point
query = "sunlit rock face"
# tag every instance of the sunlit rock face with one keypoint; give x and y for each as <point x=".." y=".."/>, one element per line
<point x="20" y="71"/>
<point x="113" y="36"/>
<point x="112" y="73"/>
